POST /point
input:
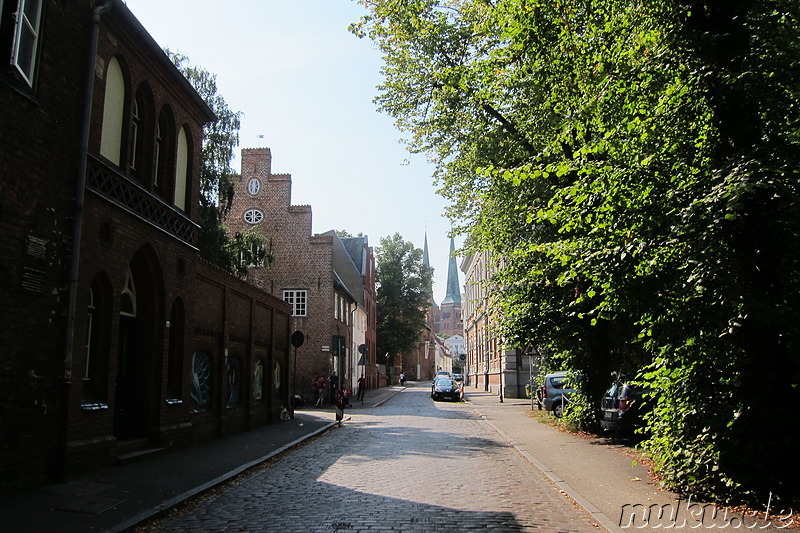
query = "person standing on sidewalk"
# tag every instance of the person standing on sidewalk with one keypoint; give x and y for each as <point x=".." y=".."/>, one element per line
<point x="361" y="388"/>
<point x="402" y="379"/>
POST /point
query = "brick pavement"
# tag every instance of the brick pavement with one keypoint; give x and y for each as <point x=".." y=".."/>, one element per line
<point x="414" y="465"/>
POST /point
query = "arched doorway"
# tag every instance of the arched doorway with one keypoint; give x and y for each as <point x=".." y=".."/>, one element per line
<point x="125" y="394"/>
<point x="140" y="349"/>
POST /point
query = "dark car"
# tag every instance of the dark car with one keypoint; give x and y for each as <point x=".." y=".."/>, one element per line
<point x="623" y="407"/>
<point x="447" y="389"/>
<point x="556" y="391"/>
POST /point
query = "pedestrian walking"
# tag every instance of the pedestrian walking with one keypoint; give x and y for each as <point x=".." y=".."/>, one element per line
<point x="338" y="401"/>
<point x="402" y="379"/>
<point x="319" y="387"/>
<point x="361" y="388"/>
<point x="334" y="382"/>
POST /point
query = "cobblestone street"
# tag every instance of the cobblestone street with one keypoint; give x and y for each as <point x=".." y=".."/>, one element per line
<point x="410" y="465"/>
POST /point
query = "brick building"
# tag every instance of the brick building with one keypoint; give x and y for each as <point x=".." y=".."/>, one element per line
<point x="116" y="337"/>
<point x="328" y="281"/>
<point x="490" y="364"/>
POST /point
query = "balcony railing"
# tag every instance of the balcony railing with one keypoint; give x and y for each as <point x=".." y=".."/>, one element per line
<point x="130" y="196"/>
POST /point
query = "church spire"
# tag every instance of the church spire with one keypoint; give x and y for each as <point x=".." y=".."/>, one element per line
<point x="427" y="263"/>
<point x="453" y="291"/>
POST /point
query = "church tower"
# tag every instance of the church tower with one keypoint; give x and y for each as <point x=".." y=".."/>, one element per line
<point x="433" y="309"/>
<point x="450" y="310"/>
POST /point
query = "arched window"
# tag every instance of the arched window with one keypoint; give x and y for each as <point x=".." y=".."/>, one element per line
<point x="181" y="170"/>
<point x="158" y="156"/>
<point x="113" y="104"/>
<point x="136" y="123"/>
<point x="201" y="382"/>
<point x="127" y="304"/>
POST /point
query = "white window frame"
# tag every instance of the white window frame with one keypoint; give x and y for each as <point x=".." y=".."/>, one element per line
<point x="31" y="29"/>
<point x="253" y="216"/>
<point x="298" y="299"/>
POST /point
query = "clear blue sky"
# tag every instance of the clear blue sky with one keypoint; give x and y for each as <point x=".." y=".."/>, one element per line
<point x="305" y="86"/>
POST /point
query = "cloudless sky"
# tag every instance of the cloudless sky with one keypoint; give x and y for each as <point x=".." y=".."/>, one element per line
<point x="305" y="86"/>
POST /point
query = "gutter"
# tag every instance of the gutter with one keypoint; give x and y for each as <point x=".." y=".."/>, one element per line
<point x="59" y="467"/>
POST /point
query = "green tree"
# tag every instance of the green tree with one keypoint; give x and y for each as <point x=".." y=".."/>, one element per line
<point x="220" y="138"/>
<point x="633" y="166"/>
<point x="402" y="282"/>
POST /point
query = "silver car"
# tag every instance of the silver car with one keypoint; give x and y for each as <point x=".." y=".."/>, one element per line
<point x="556" y="391"/>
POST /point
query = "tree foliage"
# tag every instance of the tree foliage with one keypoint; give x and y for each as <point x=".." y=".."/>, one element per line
<point x="220" y="138"/>
<point x="634" y="163"/>
<point x="402" y="282"/>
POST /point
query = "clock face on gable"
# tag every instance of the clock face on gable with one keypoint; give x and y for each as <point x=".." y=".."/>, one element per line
<point x="254" y="186"/>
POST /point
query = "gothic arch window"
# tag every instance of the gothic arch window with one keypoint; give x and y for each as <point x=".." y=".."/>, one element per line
<point x="136" y="132"/>
<point x="127" y="304"/>
<point x="113" y="105"/>
<point x="158" y="156"/>
<point x="163" y="173"/>
<point x="181" y="170"/>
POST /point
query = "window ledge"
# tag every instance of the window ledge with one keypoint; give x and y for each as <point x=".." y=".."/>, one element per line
<point x="93" y="406"/>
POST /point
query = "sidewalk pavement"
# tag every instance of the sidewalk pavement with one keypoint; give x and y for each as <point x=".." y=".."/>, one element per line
<point x="118" y="499"/>
<point x="606" y="478"/>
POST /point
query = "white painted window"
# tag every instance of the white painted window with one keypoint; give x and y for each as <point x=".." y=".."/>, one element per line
<point x="253" y="216"/>
<point x="25" y="41"/>
<point x="297" y="298"/>
<point x="111" y="132"/>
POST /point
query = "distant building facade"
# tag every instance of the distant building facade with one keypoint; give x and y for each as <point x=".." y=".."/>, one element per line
<point x="328" y="281"/>
<point x="490" y="363"/>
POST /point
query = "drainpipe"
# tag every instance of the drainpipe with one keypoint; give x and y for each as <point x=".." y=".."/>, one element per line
<point x="60" y="466"/>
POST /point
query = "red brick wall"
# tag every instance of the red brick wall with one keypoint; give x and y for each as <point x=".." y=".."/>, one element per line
<point x="39" y="134"/>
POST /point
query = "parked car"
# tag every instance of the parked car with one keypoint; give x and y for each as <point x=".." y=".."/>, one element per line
<point x="623" y="407"/>
<point x="458" y="377"/>
<point x="447" y="389"/>
<point x="556" y="391"/>
<point x="442" y="374"/>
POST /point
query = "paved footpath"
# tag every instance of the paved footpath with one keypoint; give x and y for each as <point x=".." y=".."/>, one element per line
<point x="604" y="477"/>
<point x="413" y="465"/>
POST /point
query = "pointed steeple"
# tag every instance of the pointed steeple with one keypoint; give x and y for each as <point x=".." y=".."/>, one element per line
<point x="453" y="295"/>
<point x="427" y="263"/>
